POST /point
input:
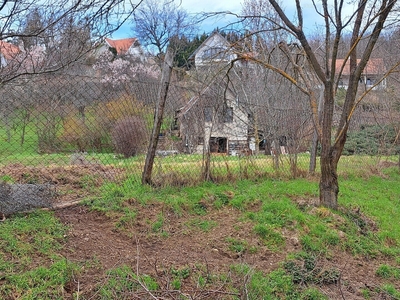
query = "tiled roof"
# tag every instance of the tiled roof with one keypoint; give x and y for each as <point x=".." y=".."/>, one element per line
<point x="9" y="51"/>
<point x="375" y="66"/>
<point x="122" y="45"/>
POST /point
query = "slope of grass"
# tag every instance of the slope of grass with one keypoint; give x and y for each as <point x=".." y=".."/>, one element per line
<point x="275" y="210"/>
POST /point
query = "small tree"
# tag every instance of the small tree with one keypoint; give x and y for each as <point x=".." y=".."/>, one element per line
<point x="315" y="67"/>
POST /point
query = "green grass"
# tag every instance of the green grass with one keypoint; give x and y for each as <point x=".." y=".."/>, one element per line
<point x="30" y="267"/>
<point x="378" y="198"/>
<point x="277" y="209"/>
<point x="275" y="285"/>
<point x="122" y="281"/>
<point x="363" y="226"/>
<point x="386" y="271"/>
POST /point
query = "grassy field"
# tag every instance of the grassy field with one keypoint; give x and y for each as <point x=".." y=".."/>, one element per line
<point x="251" y="210"/>
<point x="276" y="211"/>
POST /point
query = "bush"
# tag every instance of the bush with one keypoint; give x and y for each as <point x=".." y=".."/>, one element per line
<point x="85" y="133"/>
<point x="125" y="107"/>
<point x="129" y="136"/>
<point x="76" y="132"/>
<point x="371" y="140"/>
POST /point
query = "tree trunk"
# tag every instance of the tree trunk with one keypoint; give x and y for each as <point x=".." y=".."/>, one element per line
<point x="313" y="153"/>
<point x="8" y="126"/>
<point x="25" y="122"/>
<point x="158" y="116"/>
<point x="207" y="165"/>
<point x="328" y="185"/>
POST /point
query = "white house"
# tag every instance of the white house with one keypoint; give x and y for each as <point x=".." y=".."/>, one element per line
<point x="215" y="49"/>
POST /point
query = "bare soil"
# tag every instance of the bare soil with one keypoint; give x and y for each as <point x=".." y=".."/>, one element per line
<point x="94" y="237"/>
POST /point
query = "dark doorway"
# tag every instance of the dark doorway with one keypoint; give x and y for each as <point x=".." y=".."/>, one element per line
<point x="218" y="145"/>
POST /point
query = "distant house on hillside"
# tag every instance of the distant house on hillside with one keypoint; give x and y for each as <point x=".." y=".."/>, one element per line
<point x="215" y="49"/>
<point x="126" y="46"/>
<point x="8" y="53"/>
<point x="373" y="72"/>
<point x="120" y="47"/>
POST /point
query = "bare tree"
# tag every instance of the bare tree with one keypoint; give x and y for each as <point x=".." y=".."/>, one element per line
<point x="156" y="23"/>
<point x="52" y="34"/>
<point x="316" y="67"/>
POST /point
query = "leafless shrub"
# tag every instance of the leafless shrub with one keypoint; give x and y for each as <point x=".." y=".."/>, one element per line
<point x="129" y="136"/>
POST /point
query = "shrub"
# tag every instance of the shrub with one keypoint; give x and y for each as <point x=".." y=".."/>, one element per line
<point x="371" y="140"/>
<point x="129" y="136"/>
<point x="76" y="132"/>
<point x="124" y="107"/>
<point x="85" y="133"/>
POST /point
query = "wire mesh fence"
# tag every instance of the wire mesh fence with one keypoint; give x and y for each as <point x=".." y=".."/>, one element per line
<point x="64" y="137"/>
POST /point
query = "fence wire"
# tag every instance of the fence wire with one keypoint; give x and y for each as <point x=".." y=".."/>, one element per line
<point x="65" y="137"/>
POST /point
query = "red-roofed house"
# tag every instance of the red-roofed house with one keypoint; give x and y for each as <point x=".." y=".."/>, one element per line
<point x="8" y="52"/>
<point x="125" y="46"/>
<point x="373" y="72"/>
<point x="128" y="46"/>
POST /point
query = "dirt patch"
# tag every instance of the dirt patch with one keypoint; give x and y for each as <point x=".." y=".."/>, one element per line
<point x="95" y="242"/>
<point x="94" y="238"/>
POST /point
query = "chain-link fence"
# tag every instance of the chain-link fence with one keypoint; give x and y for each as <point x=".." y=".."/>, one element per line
<point x="63" y="137"/>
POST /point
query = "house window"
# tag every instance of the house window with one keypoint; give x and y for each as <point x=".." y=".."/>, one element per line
<point x="208" y="114"/>
<point x="214" y="53"/>
<point x="228" y="114"/>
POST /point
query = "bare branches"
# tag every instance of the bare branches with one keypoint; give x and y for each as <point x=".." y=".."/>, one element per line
<point x="157" y="23"/>
<point x="55" y="34"/>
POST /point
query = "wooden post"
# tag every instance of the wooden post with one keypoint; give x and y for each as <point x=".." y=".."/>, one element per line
<point x="158" y="116"/>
